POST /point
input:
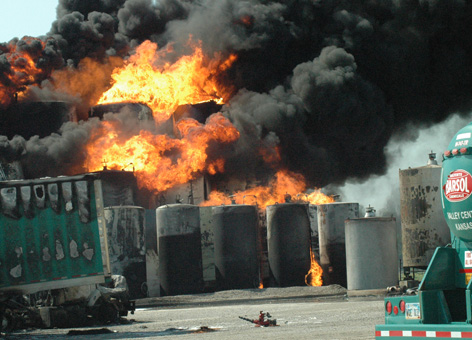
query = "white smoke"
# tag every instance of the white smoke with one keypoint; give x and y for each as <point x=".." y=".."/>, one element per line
<point x="383" y="192"/>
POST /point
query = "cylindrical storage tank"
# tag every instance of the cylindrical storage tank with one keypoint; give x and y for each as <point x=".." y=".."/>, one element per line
<point x="126" y="246"/>
<point x="288" y="243"/>
<point x="313" y="216"/>
<point x="423" y="225"/>
<point x="208" y="248"/>
<point x="235" y="241"/>
<point x="331" y="237"/>
<point x="152" y="258"/>
<point x="179" y="247"/>
<point x="371" y="253"/>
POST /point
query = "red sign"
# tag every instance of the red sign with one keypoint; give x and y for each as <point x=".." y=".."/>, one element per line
<point x="458" y="186"/>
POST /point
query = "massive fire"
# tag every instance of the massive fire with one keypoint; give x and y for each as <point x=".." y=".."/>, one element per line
<point x="161" y="162"/>
<point x="163" y="86"/>
<point x="286" y="186"/>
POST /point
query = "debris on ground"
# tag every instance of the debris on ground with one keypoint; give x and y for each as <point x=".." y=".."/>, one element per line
<point x="264" y="320"/>
<point x="90" y="331"/>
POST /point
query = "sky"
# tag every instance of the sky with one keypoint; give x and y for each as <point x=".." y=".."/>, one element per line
<point x="26" y="17"/>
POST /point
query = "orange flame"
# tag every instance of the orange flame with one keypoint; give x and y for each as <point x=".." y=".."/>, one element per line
<point x="163" y="86"/>
<point x="93" y="73"/>
<point x="271" y="156"/>
<point x="23" y="70"/>
<point x="161" y="162"/>
<point x="313" y="277"/>
<point x="284" y="184"/>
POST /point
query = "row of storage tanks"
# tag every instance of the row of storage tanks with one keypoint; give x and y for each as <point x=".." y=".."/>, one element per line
<point x="182" y="249"/>
<point x="186" y="249"/>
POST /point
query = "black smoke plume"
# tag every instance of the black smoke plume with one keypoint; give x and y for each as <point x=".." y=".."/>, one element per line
<point x="325" y="82"/>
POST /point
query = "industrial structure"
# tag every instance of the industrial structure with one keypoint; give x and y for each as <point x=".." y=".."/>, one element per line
<point x="442" y="305"/>
<point x="53" y="241"/>
<point x="331" y="234"/>
<point x="160" y="244"/>
<point x="371" y="252"/>
<point x="422" y="222"/>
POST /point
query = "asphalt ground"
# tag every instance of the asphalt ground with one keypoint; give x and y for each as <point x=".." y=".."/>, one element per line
<point x="328" y="313"/>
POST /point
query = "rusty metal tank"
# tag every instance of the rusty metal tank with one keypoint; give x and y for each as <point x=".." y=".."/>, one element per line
<point x="235" y="241"/>
<point x="331" y="236"/>
<point x="208" y="248"/>
<point x="371" y="253"/>
<point x="422" y="221"/>
<point x="179" y="247"/>
<point x="288" y="242"/>
<point x="126" y="246"/>
<point x="313" y="216"/>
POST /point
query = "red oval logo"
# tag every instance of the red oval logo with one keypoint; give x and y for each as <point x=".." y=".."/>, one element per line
<point x="458" y="186"/>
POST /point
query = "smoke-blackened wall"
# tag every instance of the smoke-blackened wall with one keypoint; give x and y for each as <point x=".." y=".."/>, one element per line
<point x="318" y="87"/>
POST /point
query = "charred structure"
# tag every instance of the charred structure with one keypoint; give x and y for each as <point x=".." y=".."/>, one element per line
<point x="423" y="225"/>
<point x="52" y="246"/>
